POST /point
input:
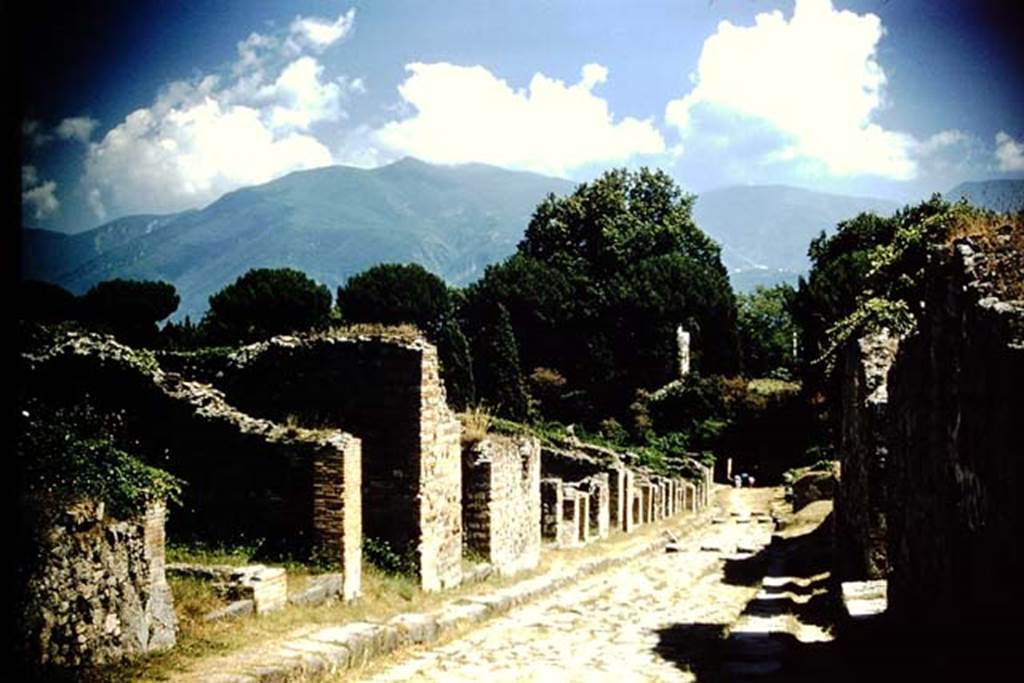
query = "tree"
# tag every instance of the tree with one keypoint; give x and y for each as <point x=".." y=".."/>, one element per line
<point x="130" y="309"/>
<point x="767" y="329"/>
<point x="600" y="282"/>
<point x="392" y="294"/>
<point x="496" y="365"/>
<point x="265" y="302"/>
<point x="45" y="302"/>
<point x="456" y="365"/>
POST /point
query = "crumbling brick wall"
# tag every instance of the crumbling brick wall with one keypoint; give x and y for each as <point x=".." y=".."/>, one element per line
<point x="389" y="393"/>
<point x="97" y="591"/>
<point x="501" y="504"/>
<point x="955" y="523"/>
<point x="290" y="490"/>
<point x="860" y="494"/>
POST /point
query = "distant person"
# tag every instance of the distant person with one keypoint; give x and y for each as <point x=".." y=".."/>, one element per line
<point x="737" y="481"/>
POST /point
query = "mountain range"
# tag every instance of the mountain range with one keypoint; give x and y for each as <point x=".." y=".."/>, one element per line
<point x="1005" y="195"/>
<point x="330" y="223"/>
<point x="337" y="221"/>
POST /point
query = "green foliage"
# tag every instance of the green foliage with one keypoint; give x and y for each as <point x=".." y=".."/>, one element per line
<point x="181" y="336"/>
<point x="129" y="309"/>
<point x="869" y="275"/>
<point x="393" y="294"/>
<point x="598" y="286"/>
<point x="265" y="302"/>
<point x="496" y="365"/>
<point x="874" y="314"/>
<point x="73" y="453"/>
<point x="197" y="552"/>
<point x="456" y="365"/>
<point x="685" y="404"/>
<point x="548" y="388"/>
<point x="766" y="329"/>
<point x="381" y="555"/>
<point x="45" y="302"/>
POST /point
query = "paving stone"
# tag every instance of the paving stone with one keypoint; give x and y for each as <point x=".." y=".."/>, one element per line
<point x="415" y="628"/>
<point x="238" y="608"/>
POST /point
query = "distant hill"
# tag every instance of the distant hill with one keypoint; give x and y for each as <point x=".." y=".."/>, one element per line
<point x="330" y="223"/>
<point x="1002" y="195"/>
<point x="765" y="230"/>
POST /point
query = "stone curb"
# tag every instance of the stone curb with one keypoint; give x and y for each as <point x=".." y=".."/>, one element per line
<point x="334" y="649"/>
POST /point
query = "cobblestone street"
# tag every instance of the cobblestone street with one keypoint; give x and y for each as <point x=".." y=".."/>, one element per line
<point x="700" y="613"/>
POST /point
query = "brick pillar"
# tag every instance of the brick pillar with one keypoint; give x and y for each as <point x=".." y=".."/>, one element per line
<point x="337" y="507"/>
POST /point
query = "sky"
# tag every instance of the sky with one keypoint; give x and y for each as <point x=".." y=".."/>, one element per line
<point x="162" y="106"/>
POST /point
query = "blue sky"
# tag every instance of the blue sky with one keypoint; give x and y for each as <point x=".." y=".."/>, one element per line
<point x="155" y="107"/>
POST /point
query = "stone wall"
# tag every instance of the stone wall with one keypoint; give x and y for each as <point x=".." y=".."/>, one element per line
<point x="630" y="504"/>
<point x="551" y="508"/>
<point x="389" y="393"/>
<point x="97" y="591"/>
<point x="572" y="527"/>
<point x="294" y="491"/>
<point x="597" y="489"/>
<point x="860" y="494"/>
<point x="501" y="501"/>
<point x="956" y="413"/>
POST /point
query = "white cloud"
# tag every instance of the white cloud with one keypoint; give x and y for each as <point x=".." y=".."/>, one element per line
<point x="319" y="34"/>
<point x="941" y="141"/>
<point x="465" y="113"/>
<point x="29" y="176"/>
<point x="40" y="196"/>
<point x="189" y="156"/>
<point x="201" y="139"/>
<point x="301" y="98"/>
<point x="1009" y="152"/>
<point x="815" y="78"/>
<point x="32" y="131"/>
<point x="77" y="128"/>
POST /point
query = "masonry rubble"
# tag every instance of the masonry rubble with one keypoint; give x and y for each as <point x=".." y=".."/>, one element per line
<point x="99" y="591"/>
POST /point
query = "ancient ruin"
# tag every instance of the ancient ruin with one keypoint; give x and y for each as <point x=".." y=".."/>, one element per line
<point x="100" y="591"/>
<point x="389" y="393"/>
<point x="501" y="501"/>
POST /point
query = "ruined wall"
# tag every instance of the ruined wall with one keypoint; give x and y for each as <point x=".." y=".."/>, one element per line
<point x="572" y="525"/>
<point x="597" y="489"/>
<point x="97" y="591"/>
<point x="860" y="494"/>
<point x="389" y="393"/>
<point x="294" y="491"/>
<point x="551" y="508"/>
<point x="955" y="529"/>
<point x="501" y="501"/>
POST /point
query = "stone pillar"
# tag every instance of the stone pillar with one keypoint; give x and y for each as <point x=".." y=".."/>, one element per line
<point x="599" y="503"/>
<point x="647" y="489"/>
<point x="572" y="523"/>
<point x="683" y="346"/>
<point x="617" y="501"/>
<point x="631" y="509"/>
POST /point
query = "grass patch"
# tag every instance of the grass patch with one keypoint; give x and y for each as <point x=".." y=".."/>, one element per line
<point x="476" y="423"/>
<point x="201" y="553"/>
